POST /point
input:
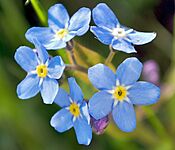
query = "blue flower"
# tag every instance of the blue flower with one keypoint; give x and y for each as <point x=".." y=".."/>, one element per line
<point x="119" y="92"/>
<point x="61" y="28"/>
<point x="74" y="113"/>
<point x="110" y="32"/>
<point x="42" y="72"/>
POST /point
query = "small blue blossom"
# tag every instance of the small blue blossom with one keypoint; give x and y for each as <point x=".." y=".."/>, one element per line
<point x="61" y="28"/>
<point x="110" y="32"/>
<point x="119" y="92"/>
<point x="42" y="72"/>
<point x="74" y="113"/>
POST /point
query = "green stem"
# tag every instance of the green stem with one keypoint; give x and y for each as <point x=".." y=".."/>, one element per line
<point x="110" y="56"/>
<point x="40" y="11"/>
<point x="70" y="49"/>
<point x="155" y="122"/>
<point x="72" y="56"/>
<point x="76" y="67"/>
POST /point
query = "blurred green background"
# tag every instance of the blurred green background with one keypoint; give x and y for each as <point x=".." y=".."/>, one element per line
<point x="24" y="125"/>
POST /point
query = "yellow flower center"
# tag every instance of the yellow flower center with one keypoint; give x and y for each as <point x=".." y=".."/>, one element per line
<point x="74" y="109"/>
<point x="62" y="33"/>
<point x="42" y="70"/>
<point x="120" y="93"/>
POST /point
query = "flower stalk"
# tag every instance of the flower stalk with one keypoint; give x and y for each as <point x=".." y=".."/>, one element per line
<point x="76" y="67"/>
<point x="110" y="56"/>
<point x="39" y="11"/>
<point x="69" y="48"/>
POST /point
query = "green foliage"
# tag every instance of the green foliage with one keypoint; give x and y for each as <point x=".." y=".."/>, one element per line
<point x="24" y="125"/>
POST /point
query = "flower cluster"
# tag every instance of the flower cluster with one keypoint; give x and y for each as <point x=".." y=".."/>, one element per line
<point x="118" y="92"/>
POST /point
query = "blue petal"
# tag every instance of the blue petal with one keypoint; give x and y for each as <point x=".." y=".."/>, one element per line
<point x="41" y="51"/>
<point x="62" y="98"/>
<point x="56" y="67"/>
<point x="101" y="77"/>
<point x="49" y="90"/>
<point x="26" y="58"/>
<point x="144" y="93"/>
<point x="56" y="44"/>
<point x="104" y="17"/>
<point x="58" y="17"/>
<point x="69" y="36"/>
<point x="139" y="38"/>
<point x="46" y="36"/>
<point x="124" y="116"/>
<point x="29" y="87"/>
<point x="75" y="91"/>
<point x="124" y="46"/>
<point x="79" y="22"/>
<point x="83" y="131"/>
<point x="129" y="71"/>
<point x="62" y="120"/>
<point x="103" y="35"/>
<point x="85" y="112"/>
<point x="100" y="104"/>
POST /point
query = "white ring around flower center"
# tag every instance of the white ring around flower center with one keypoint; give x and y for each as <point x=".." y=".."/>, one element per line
<point x="120" y="93"/>
<point x="118" y="32"/>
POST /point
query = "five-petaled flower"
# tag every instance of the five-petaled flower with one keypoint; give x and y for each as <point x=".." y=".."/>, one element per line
<point x="61" y="28"/>
<point x="42" y="72"/>
<point x="119" y="92"/>
<point x="110" y="32"/>
<point x="74" y="113"/>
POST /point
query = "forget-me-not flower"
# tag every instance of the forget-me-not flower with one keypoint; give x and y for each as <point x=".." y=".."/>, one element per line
<point x="74" y="113"/>
<point x="61" y="28"/>
<point x="110" y="32"/>
<point x="119" y="92"/>
<point x="42" y="72"/>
